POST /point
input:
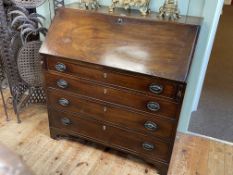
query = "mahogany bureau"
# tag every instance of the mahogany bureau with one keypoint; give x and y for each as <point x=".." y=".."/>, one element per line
<point x="118" y="79"/>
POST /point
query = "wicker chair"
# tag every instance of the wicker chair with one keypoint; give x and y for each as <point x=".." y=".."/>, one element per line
<point x="18" y="86"/>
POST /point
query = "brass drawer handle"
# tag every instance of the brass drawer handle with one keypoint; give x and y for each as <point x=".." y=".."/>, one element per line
<point x="62" y="84"/>
<point x="153" y="106"/>
<point x="156" y="89"/>
<point x="119" y="21"/>
<point x="63" y="102"/>
<point x="151" y="126"/>
<point x="148" y="146"/>
<point x="60" y="67"/>
<point x="66" y="121"/>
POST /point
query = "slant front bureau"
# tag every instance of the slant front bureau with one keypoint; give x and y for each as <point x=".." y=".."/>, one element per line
<point x="118" y="79"/>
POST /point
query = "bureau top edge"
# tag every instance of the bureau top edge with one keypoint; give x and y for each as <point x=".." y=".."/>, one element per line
<point x="102" y="67"/>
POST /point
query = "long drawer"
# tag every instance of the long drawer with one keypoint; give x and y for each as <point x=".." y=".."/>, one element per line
<point x="110" y="135"/>
<point x="153" y="105"/>
<point x="144" y="123"/>
<point x="148" y="85"/>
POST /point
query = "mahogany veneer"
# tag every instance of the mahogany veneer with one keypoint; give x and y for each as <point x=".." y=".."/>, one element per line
<point x="118" y="80"/>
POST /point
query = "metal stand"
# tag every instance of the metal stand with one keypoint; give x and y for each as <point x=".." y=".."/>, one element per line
<point x="4" y="104"/>
<point x="58" y="3"/>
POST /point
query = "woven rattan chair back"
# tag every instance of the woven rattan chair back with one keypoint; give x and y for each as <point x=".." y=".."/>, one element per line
<point x="29" y="4"/>
<point x="29" y="63"/>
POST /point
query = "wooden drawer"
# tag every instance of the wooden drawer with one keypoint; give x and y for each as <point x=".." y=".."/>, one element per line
<point x="144" y="123"/>
<point x="145" y="84"/>
<point x="119" y="96"/>
<point x="110" y="136"/>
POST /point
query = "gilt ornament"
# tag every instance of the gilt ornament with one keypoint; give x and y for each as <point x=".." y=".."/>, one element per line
<point x="90" y="4"/>
<point x="142" y="5"/>
<point x="170" y="10"/>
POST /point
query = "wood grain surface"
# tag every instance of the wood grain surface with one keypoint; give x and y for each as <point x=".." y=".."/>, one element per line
<point x="151" y="47"/>
<point x="81" y="45"/>
<point x="115" y="77"/>
<point x="192" y="155"/>
<point x="117" y="96"/>
<point x="114" y="115"/>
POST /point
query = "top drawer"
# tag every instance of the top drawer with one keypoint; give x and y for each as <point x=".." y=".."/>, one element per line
<point x="144" y="84"/>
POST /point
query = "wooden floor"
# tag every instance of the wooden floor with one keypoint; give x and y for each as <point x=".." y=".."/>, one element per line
<point x="30" y="139"/>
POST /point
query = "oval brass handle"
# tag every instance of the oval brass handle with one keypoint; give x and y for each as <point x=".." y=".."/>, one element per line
<point x="153" y="106"/>
<point x="157" y="89"/>
<point x="66" y="121"/>
<point x="62" y="83"/>
<point x="151" y="126"/>
<point x="148" y="146"/>
<point x="119" y="21"/>
<point x="63" y="102"/>
<point x="60" y="67"/>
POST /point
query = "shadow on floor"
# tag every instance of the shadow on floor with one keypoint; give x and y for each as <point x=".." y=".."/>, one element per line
<point x="214" y="116"/>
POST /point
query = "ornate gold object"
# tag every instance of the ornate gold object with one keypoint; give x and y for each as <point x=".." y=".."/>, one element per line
<point x="142" y="5"/>
<point x="90" y="4"/>
<point x="170" y="10"/>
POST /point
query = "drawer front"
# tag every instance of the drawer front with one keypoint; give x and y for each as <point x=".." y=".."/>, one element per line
<point x="148" y="85"/>
<point x="146" y="124"/>
<point x="110" y="135"/>
<point x="127" y="98"/>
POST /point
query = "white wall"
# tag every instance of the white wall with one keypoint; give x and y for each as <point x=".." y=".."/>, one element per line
<point x="211" y="13"/>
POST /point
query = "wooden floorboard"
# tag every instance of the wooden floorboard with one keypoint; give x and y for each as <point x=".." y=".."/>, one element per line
<point x="192" y="155"/>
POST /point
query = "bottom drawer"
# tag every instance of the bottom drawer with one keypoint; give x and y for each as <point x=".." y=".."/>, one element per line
<point x="111" y="136"/>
